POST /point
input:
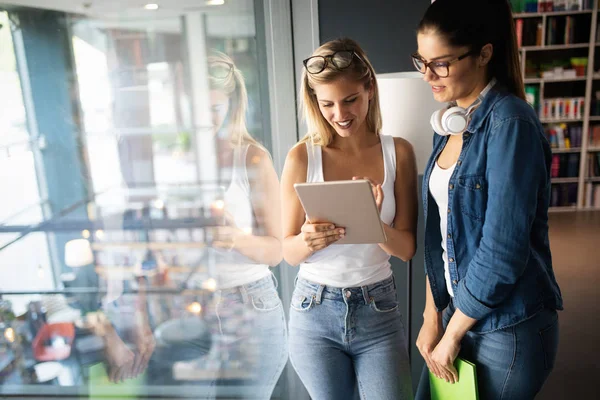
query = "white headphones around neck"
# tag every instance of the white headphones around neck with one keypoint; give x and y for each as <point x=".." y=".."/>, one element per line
<point x="453" y="120"/>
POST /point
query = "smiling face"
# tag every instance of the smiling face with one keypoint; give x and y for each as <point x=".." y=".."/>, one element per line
<point x="344" y="103"/>
<point x="466" y="77"/>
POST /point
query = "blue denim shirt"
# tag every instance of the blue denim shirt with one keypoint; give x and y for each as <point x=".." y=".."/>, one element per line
<point x="497" y="239"/>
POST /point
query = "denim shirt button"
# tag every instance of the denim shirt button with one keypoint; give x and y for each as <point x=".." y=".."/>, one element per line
<point x="448" y="210"/>
<point x="449" y="236"/>
<point x="451" y="259"/>
<point x="455" y="282"/>
<point x="451" y="186"/>
<point x="459" y="162"/>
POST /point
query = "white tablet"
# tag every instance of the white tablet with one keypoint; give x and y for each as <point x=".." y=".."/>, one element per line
<point x="346" y="204"/>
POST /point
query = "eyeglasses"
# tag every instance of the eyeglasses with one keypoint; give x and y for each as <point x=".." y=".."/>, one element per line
<point x="220" y="69"/>
<point x="439" y="68"/>
<point x="340" y="60"/>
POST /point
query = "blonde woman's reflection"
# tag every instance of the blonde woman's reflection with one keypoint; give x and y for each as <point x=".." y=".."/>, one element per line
<point x="247" y="318"/>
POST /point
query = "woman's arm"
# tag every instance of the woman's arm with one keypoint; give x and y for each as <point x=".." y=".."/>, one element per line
<point x="446" y="351"/>
<point x="263" y="246"/>
<point x="300" y="238"/>
<point x="431" y="331"/>
<point x="293" y="216"/>
<point x="401" y="238"/>
<point x="517" y="169"/>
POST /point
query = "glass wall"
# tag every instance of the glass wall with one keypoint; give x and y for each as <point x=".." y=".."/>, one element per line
<point x="139" y="222"/>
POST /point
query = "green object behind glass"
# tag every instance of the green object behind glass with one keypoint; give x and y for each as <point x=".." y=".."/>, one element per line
<point x="100" y="387"/>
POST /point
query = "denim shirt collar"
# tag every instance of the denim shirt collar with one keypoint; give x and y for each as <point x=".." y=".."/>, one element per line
<point x="479" y="116"/>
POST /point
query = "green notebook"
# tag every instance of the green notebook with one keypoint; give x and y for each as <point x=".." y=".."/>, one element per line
<point x="464" y="389"/>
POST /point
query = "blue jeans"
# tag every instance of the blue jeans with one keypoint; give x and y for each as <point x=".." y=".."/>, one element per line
<point x="340" y="338"/>
<point x="249" y="338"/>
<point x="512" y="363"/>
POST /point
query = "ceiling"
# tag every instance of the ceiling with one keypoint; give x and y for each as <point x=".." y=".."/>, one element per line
<point x="234" y="17"/>
<point x="135" y="8"/>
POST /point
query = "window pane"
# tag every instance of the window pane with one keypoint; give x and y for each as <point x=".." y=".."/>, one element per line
<point x="21" y="200"/>
<point x="147" y="267"/>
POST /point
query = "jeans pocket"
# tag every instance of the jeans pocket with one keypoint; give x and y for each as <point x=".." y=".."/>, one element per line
<point x="302" y="302"/>
<point x="385" y="304"/>
<point x="266" y="301"/>
<point x="549" y="339"/>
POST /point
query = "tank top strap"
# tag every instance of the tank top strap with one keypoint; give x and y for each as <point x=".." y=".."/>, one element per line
<point x="240" y="171"/>
<point x="389" y="157"/>
<point x="314" y="172"/>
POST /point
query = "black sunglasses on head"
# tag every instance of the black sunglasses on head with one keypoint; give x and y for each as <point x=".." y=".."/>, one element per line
<point x="220" y="69"/>
<point x="340" y="60"/>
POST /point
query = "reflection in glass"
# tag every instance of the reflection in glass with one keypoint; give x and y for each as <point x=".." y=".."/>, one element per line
<point x="124" y="271"/>
<point x="247" y="319"/>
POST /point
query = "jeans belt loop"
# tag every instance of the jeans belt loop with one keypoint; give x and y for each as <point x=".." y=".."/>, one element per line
<point x="275" y="281"/>
<point x="365" y="293"/>
<point x="244" y="293"/>
<point x="319" y="294"/>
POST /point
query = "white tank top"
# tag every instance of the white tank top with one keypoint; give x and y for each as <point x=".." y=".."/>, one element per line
<point x="438" y="186"/>
<point x="351" y="265"/>
<point x="233" y="268"/>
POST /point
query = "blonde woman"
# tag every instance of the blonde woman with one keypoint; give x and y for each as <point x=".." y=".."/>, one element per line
<point x="345" y="323"/>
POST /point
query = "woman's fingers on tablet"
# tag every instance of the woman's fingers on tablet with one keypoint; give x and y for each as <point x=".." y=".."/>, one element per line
<point x="313" y="236"/>
<point x="316" y="239"/>
<point x="376" y="186"/>
<point x="379" y="196"/>
<point x="321" y="243"/>
<point x="328" y="233"/>
<point x="320" y="227"/>
<point x="373" y="182"/>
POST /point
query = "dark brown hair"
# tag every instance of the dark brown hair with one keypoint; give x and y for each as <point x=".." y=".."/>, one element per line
<point x="475" y="23"/>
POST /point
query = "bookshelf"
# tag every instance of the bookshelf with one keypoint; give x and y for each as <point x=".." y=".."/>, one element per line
<point x="560" y="64"/>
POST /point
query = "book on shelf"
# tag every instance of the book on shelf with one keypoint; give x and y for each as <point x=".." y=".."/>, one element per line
<point x="529" y="32"/>
<point x="565" y="165"/>
<point x="560" y="29"/>
<point x="532" y="6"/>
<point x="594" y="165"/>
<point x="519" y="31"/>
<point x="566" y="30"/>
<point x="563" y="136"/>
<point x="569" y="30"/>
<point x="562" y="108"/>
<point x="572" y="168"/>
<point x="551" y="31"/>
<point x="563" y="195"/>
<point x="592" y="195"/>
<point x="594" y="137"/>
<point x="560" y="134"/>
<point x="555" y="166"/>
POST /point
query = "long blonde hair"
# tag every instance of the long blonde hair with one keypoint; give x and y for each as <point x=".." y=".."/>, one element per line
<point x="234" y="87"/>
<point x="320" y="132"/>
